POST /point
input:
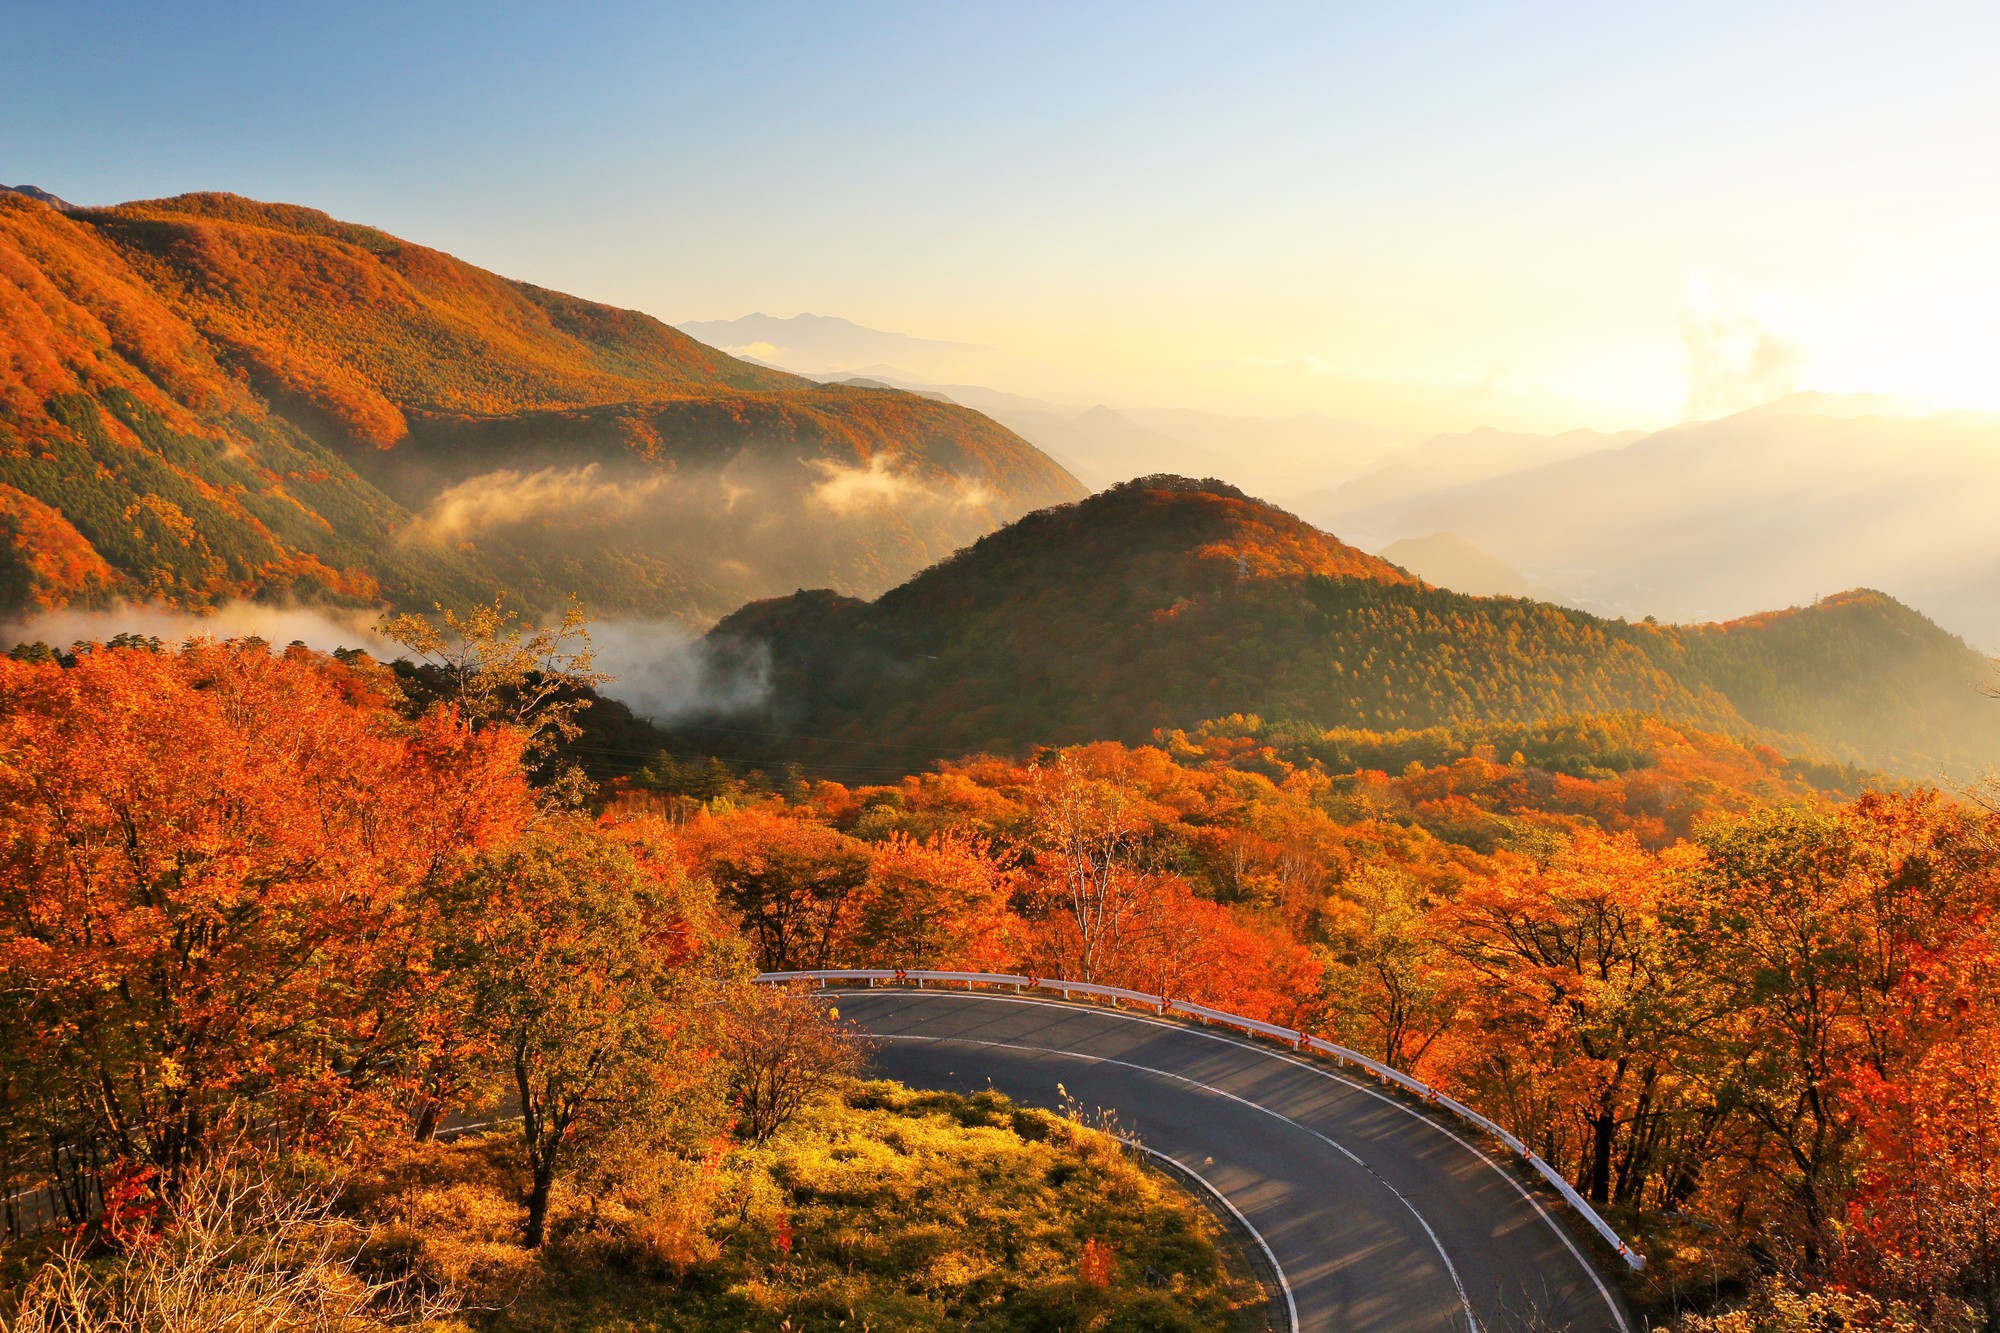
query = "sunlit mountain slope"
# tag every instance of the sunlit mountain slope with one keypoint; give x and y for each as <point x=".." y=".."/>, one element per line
<point x="207" y="397"/>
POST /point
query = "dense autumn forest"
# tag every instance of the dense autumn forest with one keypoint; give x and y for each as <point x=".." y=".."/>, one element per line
<point x="1164" y="601"/>
<point x="210" y="397"/>
<point x="1744" y="1001"/>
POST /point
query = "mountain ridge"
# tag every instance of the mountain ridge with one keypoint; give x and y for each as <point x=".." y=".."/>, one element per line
<point x="1164" y="602"/>
<point x="1447" y="560"/>
<point x="37" y="192"/>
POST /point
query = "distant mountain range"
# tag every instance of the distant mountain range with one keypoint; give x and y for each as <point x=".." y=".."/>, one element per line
<point x="1163" y="602"/>
<point x="1770" y="507"/>
<point x="827" y="347"/>
<point x="1284" y="456"/>
<point x="36" y="192"/>
<point x="1446" y="461"/>
<point x="209" y="397"/>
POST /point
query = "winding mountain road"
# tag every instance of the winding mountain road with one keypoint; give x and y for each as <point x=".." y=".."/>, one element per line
<point x="1377" y="1217"/>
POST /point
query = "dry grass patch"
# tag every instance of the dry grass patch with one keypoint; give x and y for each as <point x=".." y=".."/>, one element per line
<point x="880" y="1209"/>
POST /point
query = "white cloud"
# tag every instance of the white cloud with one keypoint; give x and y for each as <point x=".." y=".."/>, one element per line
<point x="664" y="671"/>
<point x="660" y="669"/>
<point x="505" y="497"/>
<point x="881" y="485"/>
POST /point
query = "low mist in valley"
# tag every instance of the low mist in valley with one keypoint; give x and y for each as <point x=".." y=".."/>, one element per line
<point x="706" y="538"/>
<point x="661" y="670"/>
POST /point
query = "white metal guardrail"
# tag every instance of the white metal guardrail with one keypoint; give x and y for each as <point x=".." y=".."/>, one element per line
<point x="1290" y="1036"/>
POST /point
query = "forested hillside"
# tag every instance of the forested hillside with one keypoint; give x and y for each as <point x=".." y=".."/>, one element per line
<point x="209" y="397"/>
<point x="1165" y="601"/>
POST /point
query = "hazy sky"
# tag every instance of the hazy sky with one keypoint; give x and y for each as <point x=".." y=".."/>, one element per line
<point x="1605" y="214"/>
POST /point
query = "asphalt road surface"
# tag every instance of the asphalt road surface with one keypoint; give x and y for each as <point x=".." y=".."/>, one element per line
<point x="1378" y="1218"/>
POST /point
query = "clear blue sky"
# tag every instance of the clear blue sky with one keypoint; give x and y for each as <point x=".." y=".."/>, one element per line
<point x="1252" y="205"/>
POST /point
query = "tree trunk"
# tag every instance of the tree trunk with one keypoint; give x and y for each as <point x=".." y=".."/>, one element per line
<point x="1987" y="1266"/>
<point x="1603" y="1129"/>
<point x="427" y="1121"/>
<point x="1814" y="1223"/>
<point x="538" y="1206"/>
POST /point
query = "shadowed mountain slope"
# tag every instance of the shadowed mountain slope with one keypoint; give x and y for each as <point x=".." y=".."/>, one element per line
<point x="220" y="397"/>
<point x="1165" y="601"/>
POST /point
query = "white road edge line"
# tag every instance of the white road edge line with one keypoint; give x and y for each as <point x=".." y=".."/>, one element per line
<point x="1569" y="1243"/>
<point x="1284" y="1283"/>
<point x="1451" y="1269"/>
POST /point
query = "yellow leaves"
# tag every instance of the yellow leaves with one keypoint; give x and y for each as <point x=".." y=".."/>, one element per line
<point x="172" y="524"/>
<point x="493" y="667"/>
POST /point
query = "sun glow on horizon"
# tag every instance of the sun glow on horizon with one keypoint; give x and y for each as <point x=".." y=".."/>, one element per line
<point x="1475" y="214"/>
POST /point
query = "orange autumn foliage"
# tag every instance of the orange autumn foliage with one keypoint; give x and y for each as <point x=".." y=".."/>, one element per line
<point x="791" y="881"/>
<point x="1926" y="1215"/>
<point x="44" y="560"/>
<point x="996" y="866"/>
<point x="1704" y="989"/>
<point x="1575" y="1001"/>
<point x="248" y="364"/>
<point x="1672" y="962"/>
<point x="939" y="902"/>
<point x="204" y="864"/>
